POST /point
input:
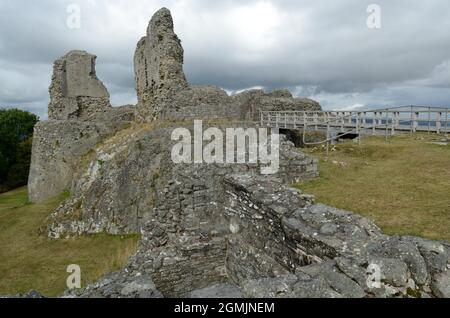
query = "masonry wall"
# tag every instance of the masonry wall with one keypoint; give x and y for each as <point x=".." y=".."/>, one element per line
<point x="282" y="243"/>
<point x="57" y="148"/>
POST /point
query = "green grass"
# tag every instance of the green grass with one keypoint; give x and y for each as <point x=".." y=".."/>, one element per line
<point x="29" y="260"/>
<point x="403" y="184"/>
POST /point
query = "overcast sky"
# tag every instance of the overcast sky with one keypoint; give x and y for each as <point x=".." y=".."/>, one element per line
<point x="319" y="49"/>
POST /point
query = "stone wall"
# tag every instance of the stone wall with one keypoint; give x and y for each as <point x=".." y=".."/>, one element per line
<point x="207" y="102"/>
<point x="164" y="93"/>
<point x="131" y="178"/>
<point x="189" y="266"/>
<point x="275" y="242"/>
<point x="75" y="91"/>
<point x="205" y="224"/>
<point x="327" y="251"/>
<point x="252" y="102"/>
<point x="80" y="101"/>
<point x="158" y="64"/>
<point x="211" y="102"/>
<point x="58" y="147"/>
<point x="80" y="117"/>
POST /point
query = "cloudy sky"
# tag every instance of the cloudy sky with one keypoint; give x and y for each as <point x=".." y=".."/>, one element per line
<point x="319" y="49"/>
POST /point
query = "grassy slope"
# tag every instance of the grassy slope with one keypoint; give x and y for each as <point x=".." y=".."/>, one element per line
<point x="31" y="261"/>
<point x="403" y="184"/>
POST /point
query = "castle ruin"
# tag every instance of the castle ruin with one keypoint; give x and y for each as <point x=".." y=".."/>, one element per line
<point x="218" y="230"/>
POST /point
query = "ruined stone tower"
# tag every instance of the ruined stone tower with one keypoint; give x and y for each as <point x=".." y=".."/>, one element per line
<point x="158" y="64"/>
<point x="75" y="91"/>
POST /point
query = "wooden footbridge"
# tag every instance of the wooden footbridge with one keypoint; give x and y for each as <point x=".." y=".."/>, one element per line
<point x="337" y="124"/>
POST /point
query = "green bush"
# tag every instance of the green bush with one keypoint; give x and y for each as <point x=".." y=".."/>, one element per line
<point x="16" y="132"/>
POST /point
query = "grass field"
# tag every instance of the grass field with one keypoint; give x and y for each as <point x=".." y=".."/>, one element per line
<point x="402" y="184"/>
<point x="31" y="261"/>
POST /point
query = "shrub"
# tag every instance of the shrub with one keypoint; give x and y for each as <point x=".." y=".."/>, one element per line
<point x="16" y="131"/>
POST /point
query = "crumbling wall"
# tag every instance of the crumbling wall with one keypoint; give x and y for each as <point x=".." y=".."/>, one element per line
<point x="131" y="185"/>
<point x="207" y="102"/>
<point x="80" y="117"/>
<point x="158" y="64"/>
<point x="325" y="251"/>
<point x="131" y="178"/>
<point x="58" y="147"/>
<point x="255" y="101"/>
<point x="207" y="224"/>
<point x="75" y="91"/>
<point x="275" y="242"/>
<point x="163" y="91"/>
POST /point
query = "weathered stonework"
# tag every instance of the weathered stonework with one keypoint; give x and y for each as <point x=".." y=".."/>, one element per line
<point x="254" y="101"/>
<point x="80" y="117"/>
<point x="273" y="241"/>
<point x="326" y="251"/>
<point x="130" y="179"/>
<point x="76" y="92"/>
<point x="58" y="147"/>
<point x="158" y="64"/>
<point x="207" y="229"/>
<point x="163" y="91"/>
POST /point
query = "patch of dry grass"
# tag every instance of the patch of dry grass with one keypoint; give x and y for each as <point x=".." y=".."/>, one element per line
<point x="402" y="184"/>
<point x="30" y="261"/>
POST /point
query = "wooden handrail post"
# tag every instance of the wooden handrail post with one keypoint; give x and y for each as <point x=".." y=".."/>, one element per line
<point x="374" y="123"/>
<point x="361" y="132"/>
<point x="328" y="138"/>
<point x="394" y="123"/>
<point x="429" y="120"/>
<point x="446" y="121"/>
<point x="438" y="122"/>
<point x="415" y="121"/>
<point x="358" y="126"/>
<point x="387" y="124"/>
<point x="412" y="120"/>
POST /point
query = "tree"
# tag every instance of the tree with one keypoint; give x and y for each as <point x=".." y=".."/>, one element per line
<point x="16" y="131"/>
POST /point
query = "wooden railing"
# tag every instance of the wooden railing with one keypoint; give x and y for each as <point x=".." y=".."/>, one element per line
<point x="388" y="121"/>
<point x="411" y="118"/>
